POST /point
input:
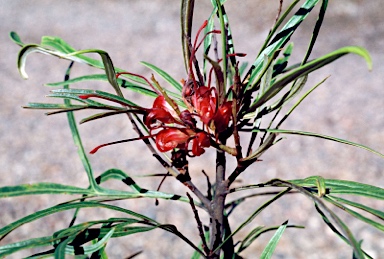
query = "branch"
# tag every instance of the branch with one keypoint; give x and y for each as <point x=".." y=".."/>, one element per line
<point x="199" y="225"/>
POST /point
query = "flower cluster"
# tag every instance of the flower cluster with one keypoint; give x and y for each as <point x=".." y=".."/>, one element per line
<point x="173" y="128"/>
<point x="179" y="129"/>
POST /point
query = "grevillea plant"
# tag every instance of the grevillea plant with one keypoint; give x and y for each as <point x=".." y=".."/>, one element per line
<point x="219" y="105"/>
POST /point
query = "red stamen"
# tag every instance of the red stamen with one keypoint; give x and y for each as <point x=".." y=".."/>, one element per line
<point x="237" y="55"/>
<point x="210" y="32"/>
<point x="196" y="47"/>
<point x="93" y="151"/>
<point x="86" y="96"/>
<point x="205" y="23"/>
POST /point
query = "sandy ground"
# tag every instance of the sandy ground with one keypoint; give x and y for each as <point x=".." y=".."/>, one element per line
<point x="38" y="148"/>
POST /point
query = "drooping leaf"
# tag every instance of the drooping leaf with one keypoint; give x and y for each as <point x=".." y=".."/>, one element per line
<point x="357" y="215"/>
<point x="378" y="213"/>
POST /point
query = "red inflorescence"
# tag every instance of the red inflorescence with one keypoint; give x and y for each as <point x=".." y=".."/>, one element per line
<point x="178" y="129"/>
<point x="173" y="128"/>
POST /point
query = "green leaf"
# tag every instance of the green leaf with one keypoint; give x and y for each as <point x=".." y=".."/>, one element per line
<point x="63" y="52"/>
<point x="253" y="215"/>
<point x="77" y="139"/>
<point x="316" y="29"/>
<point x="31" y="243"/>
<point x="51" y="106"/>
<point x="316" y="135"/>
<point x="308" y="68"/>
<point x="96" y="94"/>
<point x="62" y="207"/>
<point x="270" y="248"/>
<point x="57" y="44"/>
<point x="355" y="214"/>
<point x="103" y="77"/>
<point x="60" y="250"/>
<point x="281" y="38"/>
<point x="347" y="237"/>
<point x="278" y="23"/>
<point x="92" y="248"/>
<point x="282" y="62"/>
<point x="108" y="66"/>
<point x="120" y="175"/>
<point x="344" y="187"/>
<point x="256" y="232"/>
<point x="16" y="38"/>
<point x="320" y="206"/>
<point x="164" y="75"/>
<point x="377" y="213"/>
<point x="103" y="115"/>
<point x="41" y="188"/>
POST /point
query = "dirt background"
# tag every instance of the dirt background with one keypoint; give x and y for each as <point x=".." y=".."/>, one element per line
<point x="38" y="148"/>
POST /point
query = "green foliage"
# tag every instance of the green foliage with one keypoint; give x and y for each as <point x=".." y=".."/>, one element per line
<point x="265" y="88"/>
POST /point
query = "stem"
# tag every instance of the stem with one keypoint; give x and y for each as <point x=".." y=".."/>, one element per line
<point x="237" y="87"/>
<point x="184" y="179"/>
<point x="217" y="205"/>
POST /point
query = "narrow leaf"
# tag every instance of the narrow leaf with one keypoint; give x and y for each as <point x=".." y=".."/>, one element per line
<point x="281" y="38"/>
<point x="344" y="187"/>
<point x="356" y="214"/>
<point x="308" y="68"/>
<point x="316" y="135"/>
<point x="41" y="188"/>
<point x="164" y="75"/>
<point x="270" y="248"/>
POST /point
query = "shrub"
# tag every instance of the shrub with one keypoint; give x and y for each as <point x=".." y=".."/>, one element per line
<point x="223" y="106"/>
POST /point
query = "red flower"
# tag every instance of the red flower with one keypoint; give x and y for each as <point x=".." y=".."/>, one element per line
<point x="204" y="104"/>
<point x="200" y="141"/>
<point x="161" y="103"/>
<point x="222" y="116"/>
<point x="170" y="138"/>
<point x="161" y="111"/>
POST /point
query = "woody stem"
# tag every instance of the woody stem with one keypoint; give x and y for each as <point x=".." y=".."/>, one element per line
<point x="217" y="205"/>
